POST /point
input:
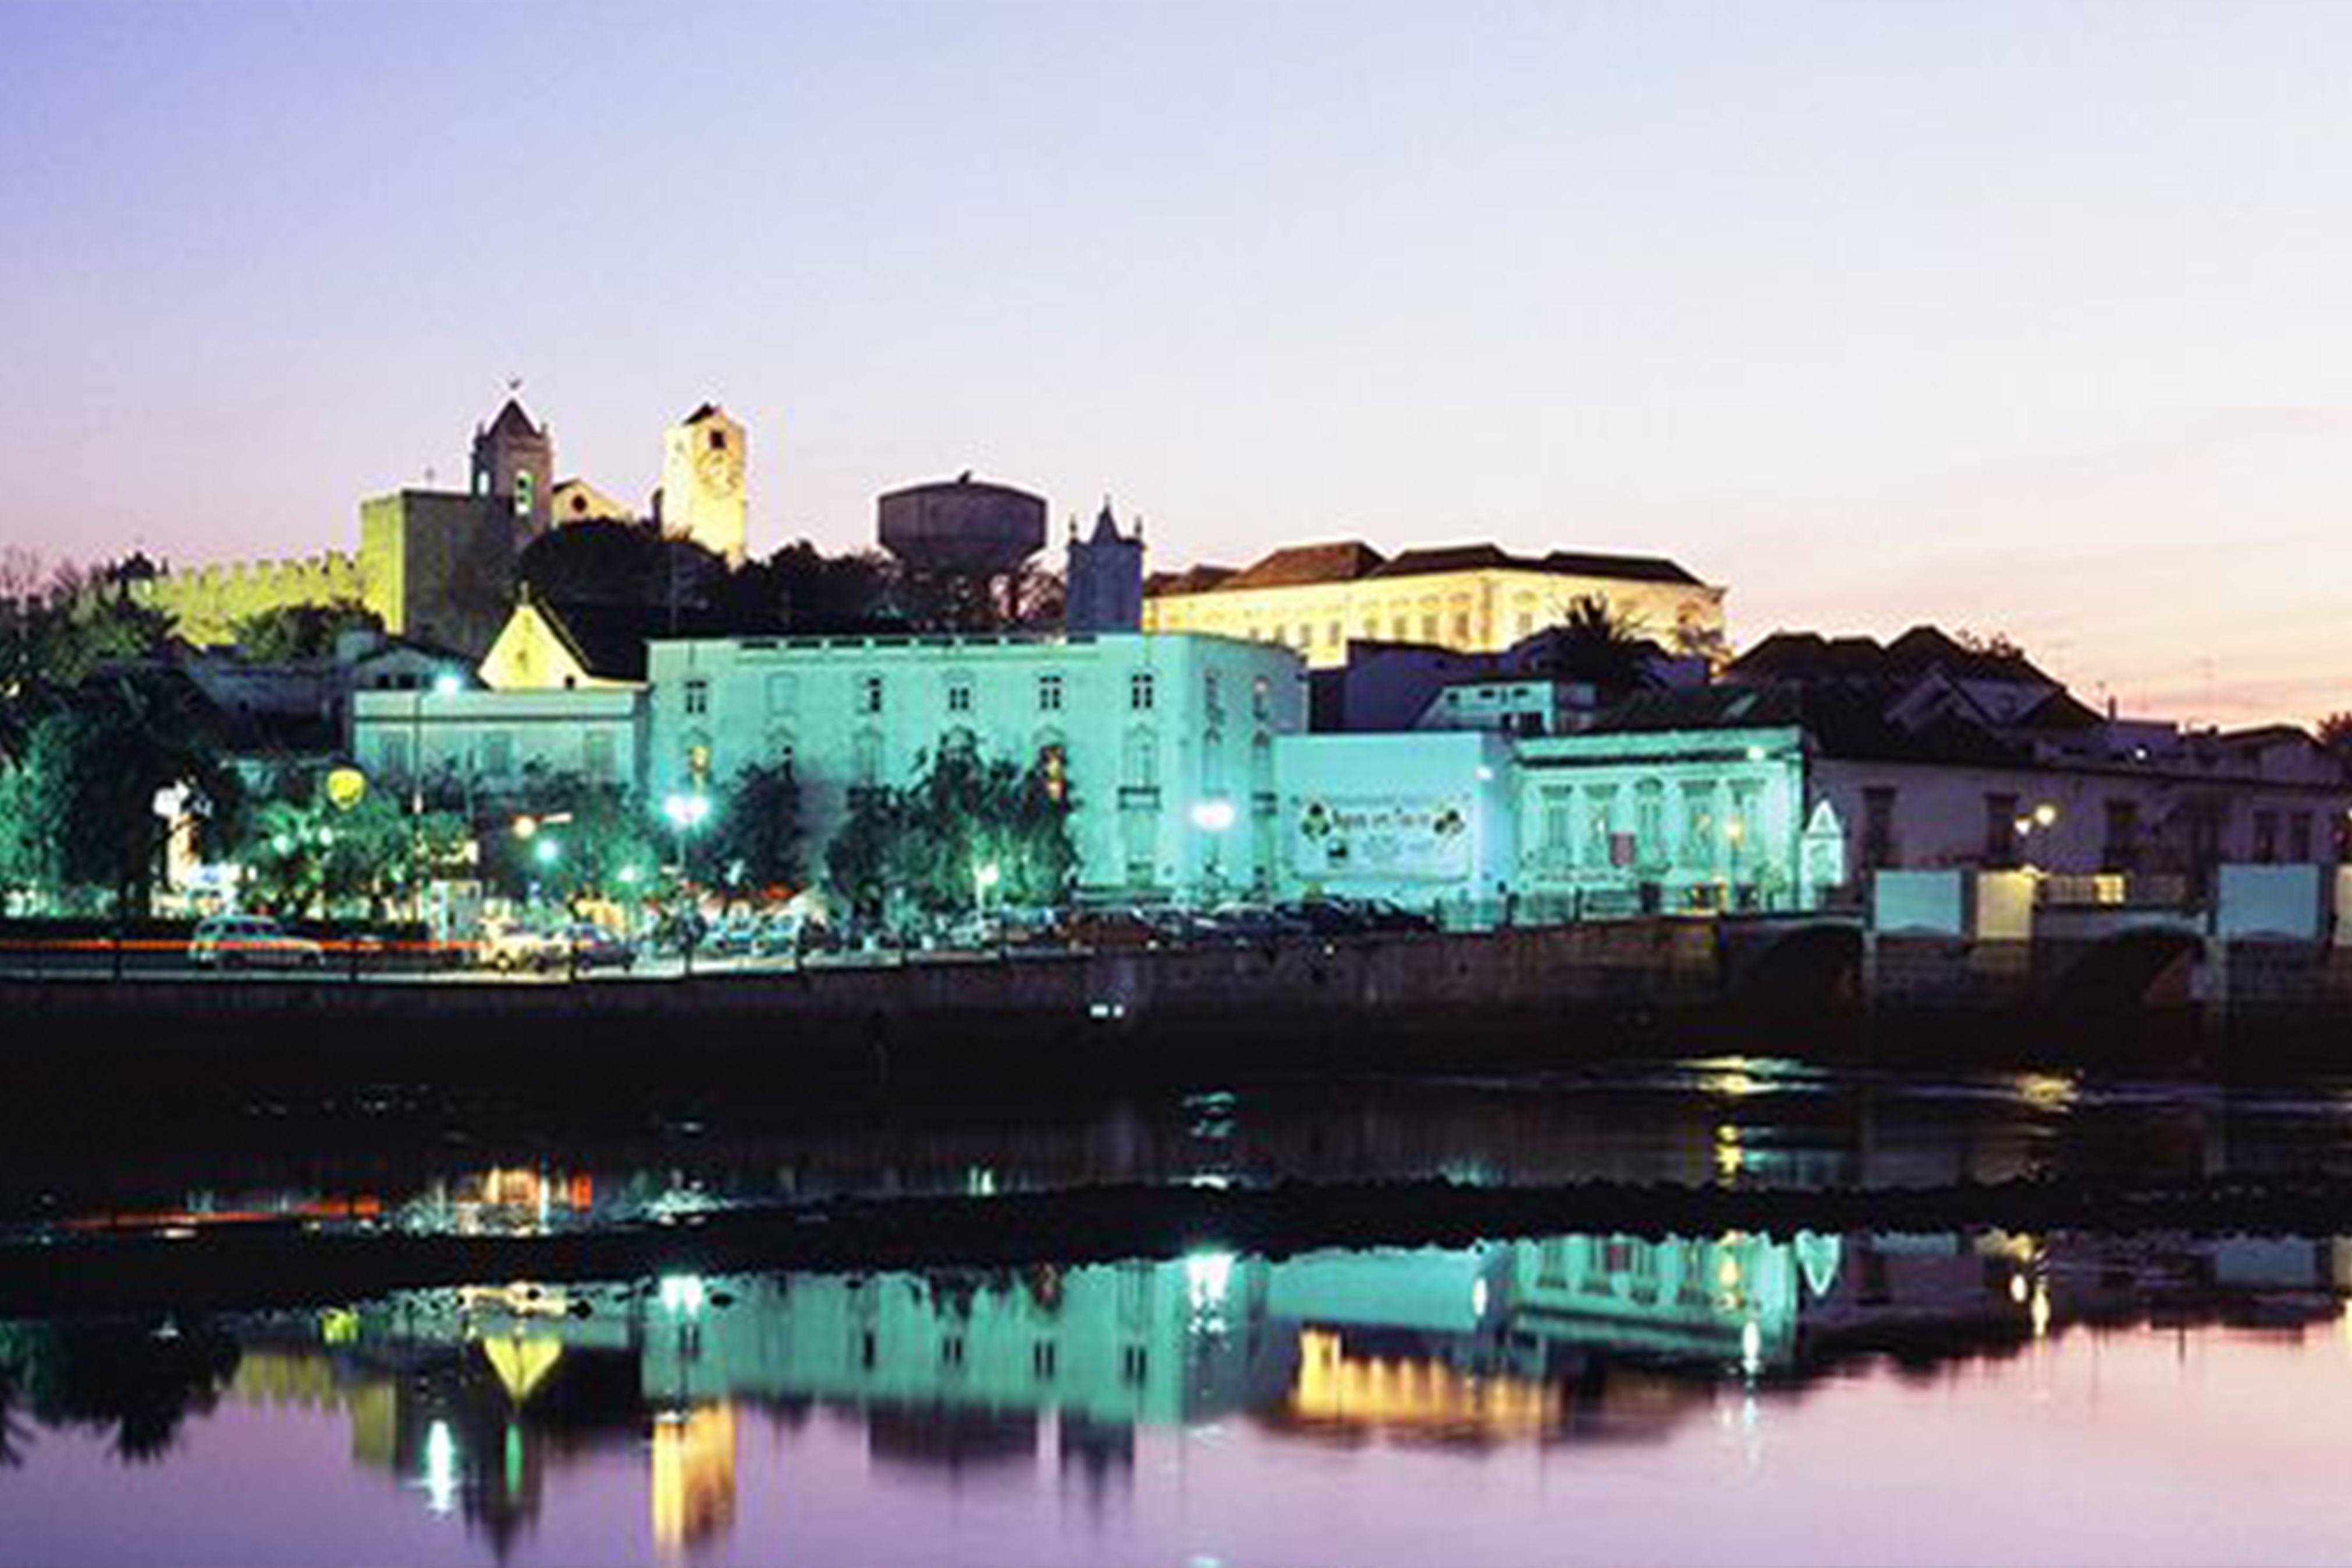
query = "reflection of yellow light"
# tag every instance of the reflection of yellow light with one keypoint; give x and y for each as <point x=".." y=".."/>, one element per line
<point x="2045" y="1091"/>
<point x="1417" y="1395"/>
<point x="1728" y="1155"/>
<point x="339" y="1326"/>
<point x="523" y="1363"/>
<point x="2018" y="1290"/>
<point x="694" y="1476"/>
<point x="1727" y="1271"/>
<point x="2040" y="1309"/>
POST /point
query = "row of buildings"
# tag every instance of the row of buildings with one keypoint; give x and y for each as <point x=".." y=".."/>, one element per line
<point x="1419" y="726"/>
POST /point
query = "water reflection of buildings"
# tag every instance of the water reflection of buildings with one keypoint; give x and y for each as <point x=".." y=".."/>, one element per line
<point x="474" y="1398"/>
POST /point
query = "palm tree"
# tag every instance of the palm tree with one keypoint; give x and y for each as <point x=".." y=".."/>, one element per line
<point x="1600" y="647"/>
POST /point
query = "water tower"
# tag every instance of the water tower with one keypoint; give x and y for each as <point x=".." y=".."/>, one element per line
<point x="963" y="543"/>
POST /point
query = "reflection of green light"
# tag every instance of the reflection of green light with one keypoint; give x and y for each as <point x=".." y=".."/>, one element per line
<point x="682" y="1295"/>
<point x="514" y="1459"/>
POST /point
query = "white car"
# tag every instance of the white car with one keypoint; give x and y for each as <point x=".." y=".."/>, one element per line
<point x="251" y="941"/>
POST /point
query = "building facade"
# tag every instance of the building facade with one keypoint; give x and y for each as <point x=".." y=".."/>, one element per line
<point x="1165" y="743"/>
<point x="495" y="745"/>
<point x="1475" y="599"/>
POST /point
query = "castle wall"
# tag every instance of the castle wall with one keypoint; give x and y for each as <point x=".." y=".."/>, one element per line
<point x="206" y="603"/>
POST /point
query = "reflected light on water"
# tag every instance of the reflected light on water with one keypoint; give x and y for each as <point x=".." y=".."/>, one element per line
<point x="440" y="1476"/>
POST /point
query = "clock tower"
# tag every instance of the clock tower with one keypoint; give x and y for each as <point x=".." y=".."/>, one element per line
<point x="701" y="496"/>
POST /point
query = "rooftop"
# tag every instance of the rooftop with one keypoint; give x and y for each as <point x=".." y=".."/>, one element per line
<point x="1350" y="561"/>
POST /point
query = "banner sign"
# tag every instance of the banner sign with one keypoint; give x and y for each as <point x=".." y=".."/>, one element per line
<point x="1419" y="837"/>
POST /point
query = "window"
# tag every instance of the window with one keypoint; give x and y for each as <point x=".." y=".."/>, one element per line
<point x="596" y="757"/>
<point x="958" y="694"/>
<point x="1598" y="843"/>
<point x="1429" y="626"/>
<point x="2266" y="845"/>
<point x="718" y="441"/>
<point x="2298" y="836"/>
<point x="1049" y="693"/>
<point x="869" y="693"/>
<point x="1140" y="691"/>
<point x="391" y="756"/>
<point x="1261" y="697"/>
<point x="498" y="753"/>
<point x="1742" y="825"/>
<point x="1461" y="625"/>
<point x="1333" y="636"/>
<point x="781" y="749"/>
<point x="783" y="693"/>
<point x="2001" y="835"/>
<point x="1698" y="826"/>
<point x="866" y="760"/>
<point x="1650" y="821"/>
<point x="1558" y="826"/>
<point x="1212" y="694"/>
<point x="1878" y="827"/>
<point x="523" y="483"/>
<point x="1142" y="767"/>
<point x="698" y="696"/>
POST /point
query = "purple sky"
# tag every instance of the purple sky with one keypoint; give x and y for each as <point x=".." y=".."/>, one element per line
<point x="2012" y="316"/>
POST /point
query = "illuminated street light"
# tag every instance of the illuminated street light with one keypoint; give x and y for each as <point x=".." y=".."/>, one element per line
<point x="2045" y="815"/>
<point x="1213" y="816"/>
<point x="547" y="852"/>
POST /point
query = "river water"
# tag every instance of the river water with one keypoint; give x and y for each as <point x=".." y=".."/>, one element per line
<point x="1864" y="1396"/>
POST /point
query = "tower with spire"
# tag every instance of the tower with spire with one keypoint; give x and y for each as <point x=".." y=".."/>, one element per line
<point x="514" y="462"/>
<point x="1104" y="588"/>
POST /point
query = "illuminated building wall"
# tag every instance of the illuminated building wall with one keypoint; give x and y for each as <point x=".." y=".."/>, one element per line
<point x="1166" y="743"/>
<point x="702" y="497"/>
<point x="1706" y="816"/>
<point x="1479" y="609"/>
<point x="494" y="742"/>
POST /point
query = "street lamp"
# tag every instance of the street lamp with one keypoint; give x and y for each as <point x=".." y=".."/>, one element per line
<point x="1213" y="817"/>
<point x="444" y="684"/>
<point x="686" y="810"/>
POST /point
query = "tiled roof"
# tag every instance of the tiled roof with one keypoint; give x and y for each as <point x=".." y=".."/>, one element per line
<point x="1807" y="655"/>
<point x="1343" y="562"/>
<point x="1347" y="561"/>
<point x="1842" y="722"/>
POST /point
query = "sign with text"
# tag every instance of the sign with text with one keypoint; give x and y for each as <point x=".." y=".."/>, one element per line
<point x="1419" y="837"/>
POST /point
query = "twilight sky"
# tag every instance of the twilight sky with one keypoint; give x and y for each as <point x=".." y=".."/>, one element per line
<point x="2025" y="316"/>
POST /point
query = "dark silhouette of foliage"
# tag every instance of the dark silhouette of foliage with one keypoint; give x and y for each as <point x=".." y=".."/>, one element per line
<point x="293" y="633"/>
<point x="927" y="843"/>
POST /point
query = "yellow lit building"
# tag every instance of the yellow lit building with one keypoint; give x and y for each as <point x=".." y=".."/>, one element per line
<point x="1472" y="599"/>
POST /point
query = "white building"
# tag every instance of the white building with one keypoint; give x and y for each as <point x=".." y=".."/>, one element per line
<point x="1165" y="742"/>
<point x="495" y="743"/>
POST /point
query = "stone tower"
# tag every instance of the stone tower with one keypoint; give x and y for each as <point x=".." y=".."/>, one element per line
<point x="1105" y="590"/>
<point x="514" y="460"/>
<point x="701" y="495"/>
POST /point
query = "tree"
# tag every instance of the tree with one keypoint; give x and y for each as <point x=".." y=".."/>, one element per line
<point x="964" y="819"/>
<point x="2335" y="733"/>
<point x="570" y="839"/>
<point x="80" y="798"/>
<point x="755" y="828"/>
<point x="816" y="593"/>
<point x="602" y="562"/>
<point x="1597" y="645"/>
<point x="308" y="856"/>
<point x="296" y="632"/>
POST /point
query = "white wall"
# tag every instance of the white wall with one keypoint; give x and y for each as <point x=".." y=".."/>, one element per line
<point x="491" y="738"/>
<point x="1137" y="774"/>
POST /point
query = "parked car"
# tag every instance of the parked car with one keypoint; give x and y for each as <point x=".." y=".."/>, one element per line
<point x="251" y="941"/>
<point x="1384" y="914"/>
<point x="788" y="935"/>
<point x="1254" y="922"/>
<point x="1114" y="929"/>
<point x="735" y="936"/>
<point x="588" y="946"/>
<point x="509" y="948"/>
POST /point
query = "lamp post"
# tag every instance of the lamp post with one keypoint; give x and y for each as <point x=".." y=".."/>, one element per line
<point x="1213" y="817"/>
<point x="686" y="810"/>
<point x="444" y="685"/>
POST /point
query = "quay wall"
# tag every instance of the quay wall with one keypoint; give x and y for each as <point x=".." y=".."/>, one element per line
<point x="1514" y="1000"/>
